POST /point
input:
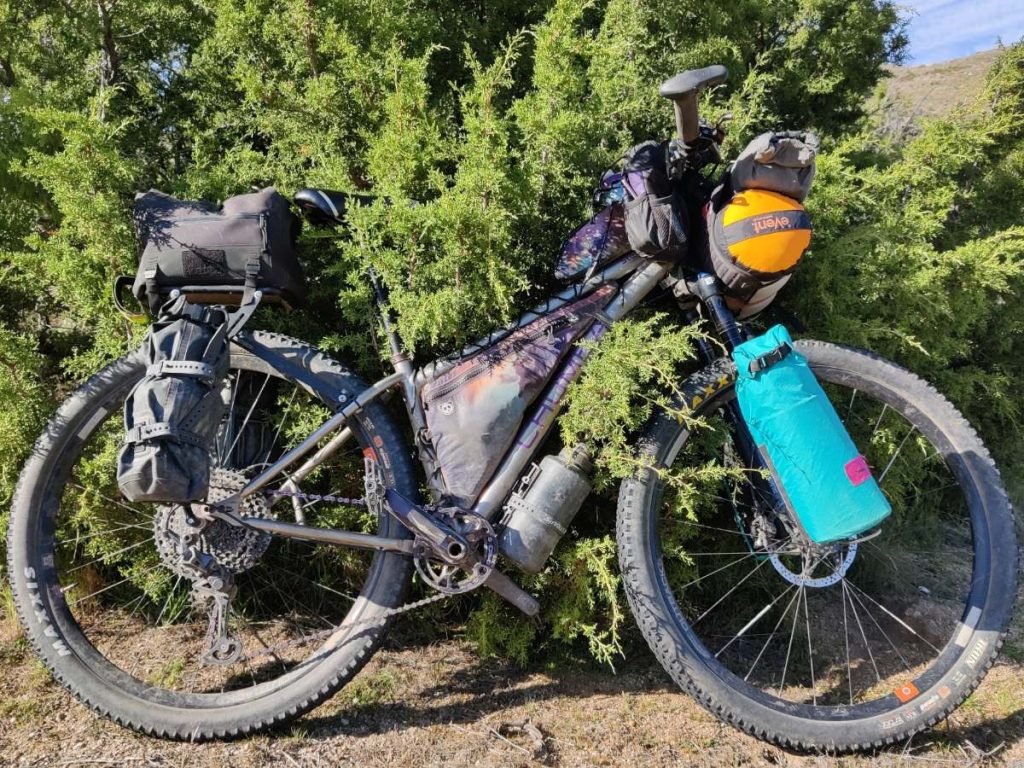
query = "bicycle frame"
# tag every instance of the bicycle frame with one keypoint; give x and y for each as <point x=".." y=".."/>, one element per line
<point x="638" y="278"/>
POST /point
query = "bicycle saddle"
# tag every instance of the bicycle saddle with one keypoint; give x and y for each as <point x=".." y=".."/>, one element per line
<point x="322" y="206"/>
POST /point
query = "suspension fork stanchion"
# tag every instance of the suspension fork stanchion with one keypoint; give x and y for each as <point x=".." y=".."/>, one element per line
<point x="709" y="289"/>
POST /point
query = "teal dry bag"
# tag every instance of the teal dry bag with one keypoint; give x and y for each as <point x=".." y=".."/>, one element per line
<point x="825" y="482"/>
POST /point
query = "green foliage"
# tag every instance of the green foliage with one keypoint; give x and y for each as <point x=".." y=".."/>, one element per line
<point x="919" y="254"/>
<point x="634" y="370"/>
<point x="497" y="121"/>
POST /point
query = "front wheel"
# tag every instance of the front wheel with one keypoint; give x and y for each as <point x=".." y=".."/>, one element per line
<point x="847" y="647"/>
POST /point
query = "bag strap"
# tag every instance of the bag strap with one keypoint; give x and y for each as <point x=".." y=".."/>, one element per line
<point x="152" y="290"/>
<point x="770" y="358"/>
<point x="146" y="432"/>
<point x="200" y="370"/>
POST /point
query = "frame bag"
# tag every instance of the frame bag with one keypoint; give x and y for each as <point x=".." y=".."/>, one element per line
<point x="826" y="484"/>
<point x="655" y="213"/>
<point x="213" y="255"/>
<point x="474" y="410"/>
<point x="172" y="415"/>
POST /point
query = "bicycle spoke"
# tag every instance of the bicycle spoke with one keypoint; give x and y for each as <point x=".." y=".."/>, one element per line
<point x="109" y="531"/>
<point x="111" y="586"/>
<point x="757" y="617"/>
<point x="810" y="653"/>
<point x="774" y="630"/>
<point x="864" y="637"/>
<point x="881" y="478"/>
<point x="736" y="586"/>
<point x="792" y="635"/>
<point x="280" y="426"/>
<point x="717" y="570"/>
<point x="846" y="641"/>
<point x="894" y="617"/>
<point x="245" y="421"/>
<point x="105" y="557"/>
<point x="109" y="500"/>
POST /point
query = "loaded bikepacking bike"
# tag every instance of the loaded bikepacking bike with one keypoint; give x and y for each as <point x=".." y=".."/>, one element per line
<point x="814" y="604"/>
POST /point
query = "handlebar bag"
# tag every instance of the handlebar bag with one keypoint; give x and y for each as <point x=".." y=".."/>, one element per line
<point x="655" y="212"/>
<point x="212" y="254"/>
<point x="474" y="410"/>
<point x="172" y="415"/>
<point x="827" y="486"/>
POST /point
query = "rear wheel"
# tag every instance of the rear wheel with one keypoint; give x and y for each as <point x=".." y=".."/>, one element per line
<point x="94" y="576"/>
<point x="845" y="647"/>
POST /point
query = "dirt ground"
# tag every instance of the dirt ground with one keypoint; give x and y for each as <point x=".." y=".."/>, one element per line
<point x="442" y="705"/>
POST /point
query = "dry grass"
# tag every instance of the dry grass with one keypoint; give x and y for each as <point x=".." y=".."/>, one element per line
<point x="441" y="705"/>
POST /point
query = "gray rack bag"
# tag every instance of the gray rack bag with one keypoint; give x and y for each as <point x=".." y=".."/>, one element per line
<point x="781" y="161"/>
<point x="172" y="415"/>
<point x="217" y="255"/>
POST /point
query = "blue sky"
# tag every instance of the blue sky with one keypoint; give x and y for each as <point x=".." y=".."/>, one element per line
<point x="948" y="29"/>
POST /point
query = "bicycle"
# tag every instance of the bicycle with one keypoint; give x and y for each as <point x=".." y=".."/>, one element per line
<point x="238" y="619"/>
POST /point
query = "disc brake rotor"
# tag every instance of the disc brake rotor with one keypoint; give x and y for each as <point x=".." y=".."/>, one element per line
<point x="811" y="561"/>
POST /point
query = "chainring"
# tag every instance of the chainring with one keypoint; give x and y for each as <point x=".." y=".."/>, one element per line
<point x="235" y="548"/>
<point x="455" y="579"/>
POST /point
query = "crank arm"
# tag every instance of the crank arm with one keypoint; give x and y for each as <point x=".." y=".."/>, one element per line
<point x="447" y="544"/>
<point x="333" y="536"/>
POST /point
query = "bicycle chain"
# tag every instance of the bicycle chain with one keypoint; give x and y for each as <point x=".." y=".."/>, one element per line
<point x="389" y="613"/>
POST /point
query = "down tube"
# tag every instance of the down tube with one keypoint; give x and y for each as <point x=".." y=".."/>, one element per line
<point x="532" y="433"/>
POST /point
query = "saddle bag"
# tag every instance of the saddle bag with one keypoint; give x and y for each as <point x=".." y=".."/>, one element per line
<point x="758" y="230"/>
<point x="172" y="415"/>
<point x="825" y="483"/>
<point x="212" y="255"/>
<point x="474" y="410"/>
<point x="655" y="212"/>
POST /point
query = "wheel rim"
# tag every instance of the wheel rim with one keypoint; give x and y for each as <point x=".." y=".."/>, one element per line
<point x="129" y="616"/>
<point x="859" y="634"/>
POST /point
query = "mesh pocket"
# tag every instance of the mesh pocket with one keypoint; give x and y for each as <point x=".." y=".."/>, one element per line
<point x="656" y="219"/>
<point x="655" y="226"/>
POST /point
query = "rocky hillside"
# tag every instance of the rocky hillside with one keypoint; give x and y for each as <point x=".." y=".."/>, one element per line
<point x="931" y="90"/>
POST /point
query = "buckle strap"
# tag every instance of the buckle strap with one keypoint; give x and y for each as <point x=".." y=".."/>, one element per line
<point x="146" y="432"/>
<point x="768" y="359"/>
<point x="200" y="370"/>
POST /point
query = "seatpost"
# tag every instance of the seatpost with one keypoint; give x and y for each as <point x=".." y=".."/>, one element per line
<point x="380" y="301"/>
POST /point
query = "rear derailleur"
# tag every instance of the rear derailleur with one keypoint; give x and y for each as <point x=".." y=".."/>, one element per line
<point x="213" y="584"/>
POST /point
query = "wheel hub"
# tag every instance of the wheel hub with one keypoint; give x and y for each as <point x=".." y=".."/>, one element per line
<point x="235" y="548"/>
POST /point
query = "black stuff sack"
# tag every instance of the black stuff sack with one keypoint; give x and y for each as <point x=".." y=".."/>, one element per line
<point x="172" y="415"/>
